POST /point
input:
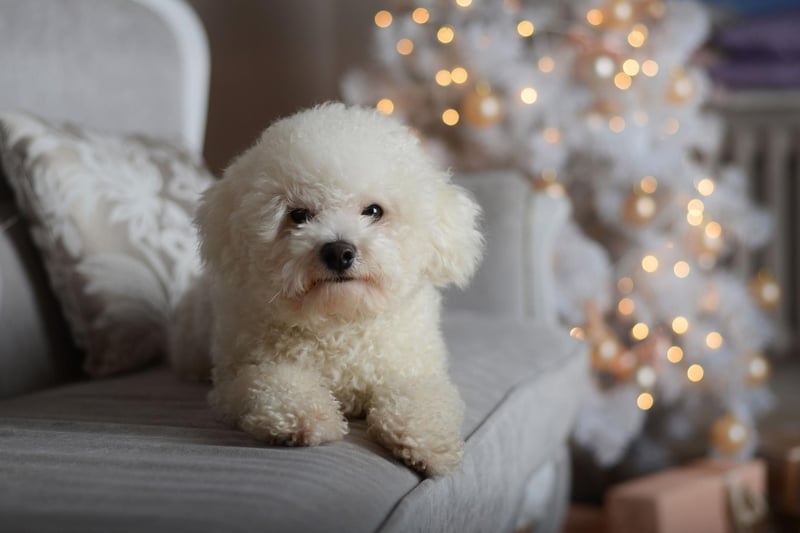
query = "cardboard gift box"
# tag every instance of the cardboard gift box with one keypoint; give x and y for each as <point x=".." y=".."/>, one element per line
<point x="707" y="496"/>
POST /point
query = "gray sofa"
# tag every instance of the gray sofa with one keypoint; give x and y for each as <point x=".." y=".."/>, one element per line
<point x="142" y="451"/>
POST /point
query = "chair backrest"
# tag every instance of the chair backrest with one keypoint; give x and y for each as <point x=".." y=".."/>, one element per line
<point x="118" y="66"/>
<point x="115" y="65"/>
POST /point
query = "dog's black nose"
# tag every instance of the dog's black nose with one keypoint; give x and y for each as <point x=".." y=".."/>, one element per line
<point x="338" y="255"/>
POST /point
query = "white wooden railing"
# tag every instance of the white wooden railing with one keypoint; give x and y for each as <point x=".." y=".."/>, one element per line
<point x="762" y="135"/>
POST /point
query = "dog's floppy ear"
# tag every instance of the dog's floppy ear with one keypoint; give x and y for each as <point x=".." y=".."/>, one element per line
<point x="214" y="225"/>
<point x="233" y="220"/>
<point x="457" y="242"/>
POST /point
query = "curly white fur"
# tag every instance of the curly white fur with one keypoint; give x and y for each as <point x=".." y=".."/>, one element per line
<point x="296" y="346"/>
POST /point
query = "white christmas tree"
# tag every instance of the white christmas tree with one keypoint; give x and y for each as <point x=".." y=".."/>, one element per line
<point x="597" y="98"/>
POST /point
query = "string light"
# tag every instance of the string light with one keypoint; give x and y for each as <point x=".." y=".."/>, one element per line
<point x="464" y="3"/>
<point x="671" y="126"/>
<point x="714" y="340"/>
<point x="630" y="67"/>
<point x="420" y="15"/>
<point x="459" y="75"/>
<point x="705" y="186"/>
<point x="625" y="285"/>
<point x="695" y="204"/>
<point x="694" y="211"/>
<point x="694" y="218"/>
<point x="650" y="68"/>
<point x="446" y="34"/>
<point x="649" y="263"/>
<point x="711" y="244"/>
<point x="525" y="28"/>
<point x="443" y="78"/>
<point x="450" y="117"/>
<point x="385" y="106"/>
<point x="695" y="373"/>
<point x="577" y="332"/>
<point x="546" y="64"/>
<point x="681" y="269"/>
<point x="552" y="135"/>
<point x="594" y="17"/>
<point x="675" y="354"/>
<point x="680" y="325"/>
<point x="638" y="35"/>
<point x="640" y="331"/>
<point x="626" y="306"/>
<point x="713" y="230"/>
<point x="405" y="47"/>
<point x="528" y="95"/>
<point x="383" y="19"/>
<point x="622" y="81"/>
<point x="644" y="401"/>
<point x="616" y="124"/>
<point x="648" y="184"/>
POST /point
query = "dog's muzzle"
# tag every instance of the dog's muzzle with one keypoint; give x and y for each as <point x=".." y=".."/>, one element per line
<point x="338" y="256"/>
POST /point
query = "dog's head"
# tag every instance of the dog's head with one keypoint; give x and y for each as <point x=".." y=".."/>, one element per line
<point x="337" y="212"/>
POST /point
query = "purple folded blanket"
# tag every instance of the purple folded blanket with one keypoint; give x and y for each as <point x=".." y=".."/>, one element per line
<point x="762" y="74"/>
<point x="760" y="52"/>
<point x="775" y="36"/>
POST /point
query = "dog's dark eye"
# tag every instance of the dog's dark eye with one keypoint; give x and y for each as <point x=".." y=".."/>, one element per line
<point x="300" y="216"/>
<point x="375" y="211"/>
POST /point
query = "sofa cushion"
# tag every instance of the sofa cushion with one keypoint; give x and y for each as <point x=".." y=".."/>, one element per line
<point x="143" y="452"/>
<point x="112" y="218"/>
<point x="497" y="286"/>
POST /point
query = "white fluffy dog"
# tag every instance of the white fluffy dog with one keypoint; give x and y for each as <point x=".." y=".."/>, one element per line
<point x="323" y="247"/>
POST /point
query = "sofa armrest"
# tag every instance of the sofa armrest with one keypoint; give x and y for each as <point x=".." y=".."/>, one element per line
<point x="521" y="225"/>
<point x="547" y="214"/>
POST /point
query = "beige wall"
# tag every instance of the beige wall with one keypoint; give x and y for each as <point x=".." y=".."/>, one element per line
<point x="272" y="57"/>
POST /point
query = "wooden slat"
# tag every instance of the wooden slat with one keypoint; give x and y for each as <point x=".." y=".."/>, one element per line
<point x="743" y="151"/>
<point x="777" y="170"/>
<point x="763" y="138"/>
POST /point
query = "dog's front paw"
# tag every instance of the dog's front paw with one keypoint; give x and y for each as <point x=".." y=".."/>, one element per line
<point x="442" y="461"/>
<point x="428" y="453"/>
<point x="295" y="429"/>
<point x="419" y="421"/>
<point x="279" y="404"/>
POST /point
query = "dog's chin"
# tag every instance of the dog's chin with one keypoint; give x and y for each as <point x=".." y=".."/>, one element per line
<point x="342" y="297"/>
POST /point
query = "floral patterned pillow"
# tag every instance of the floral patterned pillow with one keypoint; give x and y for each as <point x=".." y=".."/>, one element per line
<point x="112" y="218"/>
